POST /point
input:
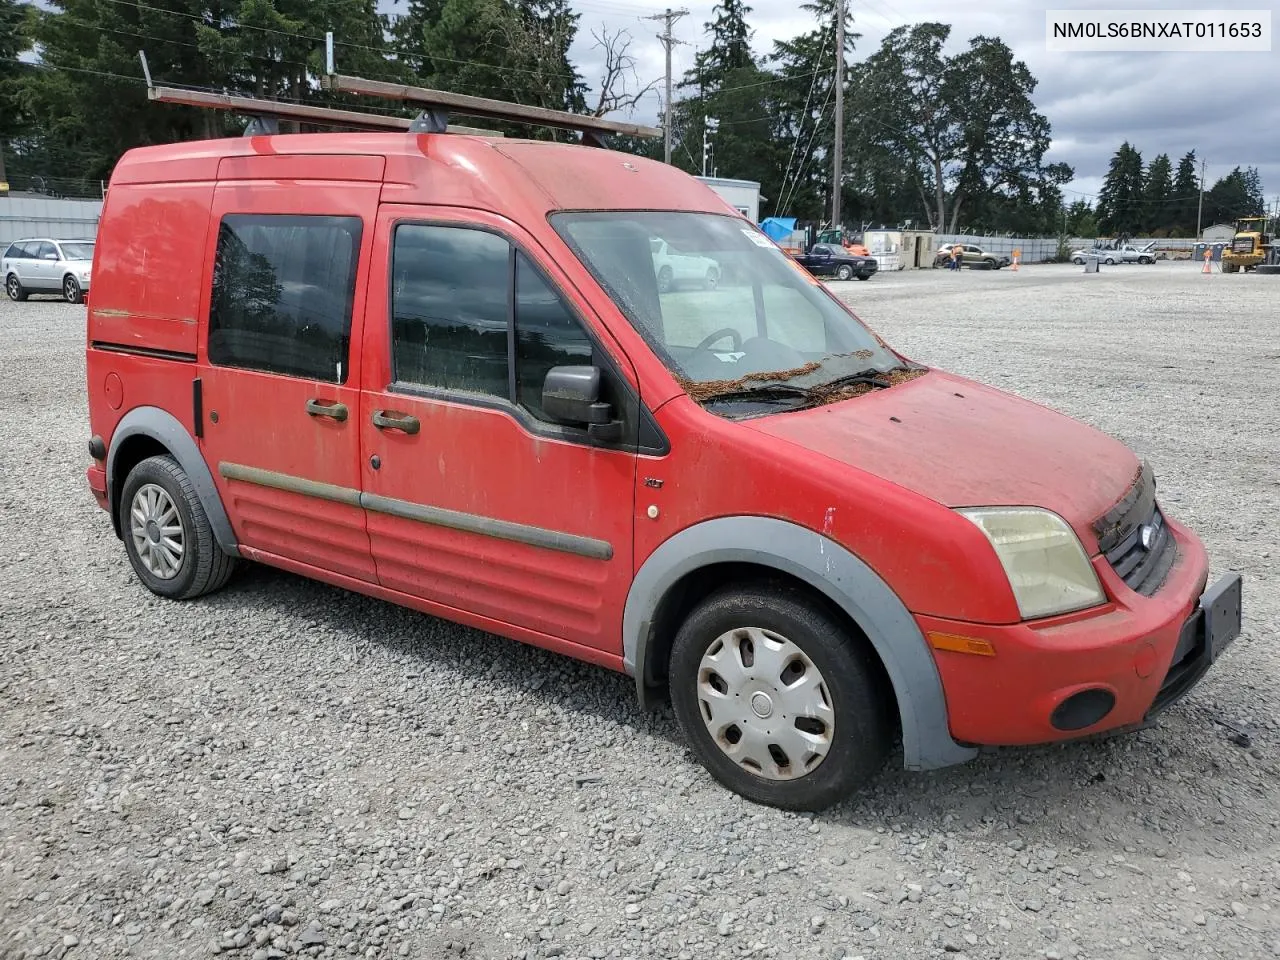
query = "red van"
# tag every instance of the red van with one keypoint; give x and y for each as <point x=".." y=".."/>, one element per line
<point x="441" y="370"/>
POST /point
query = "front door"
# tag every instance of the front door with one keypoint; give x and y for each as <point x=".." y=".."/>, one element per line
<point x="476" y="501"/>
<point x="279" y="369"/>
<point x="45" y="274"/>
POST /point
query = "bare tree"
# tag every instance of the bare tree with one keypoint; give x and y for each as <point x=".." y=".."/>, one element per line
<point x="619" y="73"/>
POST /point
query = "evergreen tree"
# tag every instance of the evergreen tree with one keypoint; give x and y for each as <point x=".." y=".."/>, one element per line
<point x="15" y="23"/>
<point x="1120" y="203"/>
<point x="1158" y="194"/>
<point x="1238" y="194"/>
<point x="1186" y="194"/>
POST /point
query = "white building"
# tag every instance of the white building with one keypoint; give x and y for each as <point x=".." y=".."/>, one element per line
<point x="1219" y="231"/>
<point x="742" y="195"/>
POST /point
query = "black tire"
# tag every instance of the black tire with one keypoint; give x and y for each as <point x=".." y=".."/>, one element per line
<point x="862" y="729"/>
<point x="1110" y="262"/>
<point x="14" y="288"/>
<point x="712" y="278"/>
<point x="864" y="276"/>
<point x="1145" y="260"/>
<point x="71" y="291"/>
<point x="666" y="280"/>
<point x="203" y="568"/>
<point x="1268" y="269"/>
<point x="844" y="272"/>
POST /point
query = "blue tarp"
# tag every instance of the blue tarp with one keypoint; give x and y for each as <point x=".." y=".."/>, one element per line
<point x="778" y="228"/>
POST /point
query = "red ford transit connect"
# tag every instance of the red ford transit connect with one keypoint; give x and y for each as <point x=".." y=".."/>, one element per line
<point x="442" y="370"/>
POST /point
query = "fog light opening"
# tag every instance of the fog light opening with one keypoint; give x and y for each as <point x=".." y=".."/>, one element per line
<point x="1083" y="709"/>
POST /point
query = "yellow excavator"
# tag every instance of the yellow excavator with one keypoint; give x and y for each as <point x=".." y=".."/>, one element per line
<point x="1253" y="246"/>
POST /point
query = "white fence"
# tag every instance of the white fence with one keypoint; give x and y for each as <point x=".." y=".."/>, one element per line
<point x="42" y="217"/>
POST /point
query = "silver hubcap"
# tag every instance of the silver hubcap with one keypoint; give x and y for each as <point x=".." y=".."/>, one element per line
<point x="13" y="288"/>
<point x="69" y="288"/>
<point x="765" y="703"/>
<point x="156" y="527"/>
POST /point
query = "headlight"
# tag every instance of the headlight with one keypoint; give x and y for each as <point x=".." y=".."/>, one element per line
<point x="1042" y="557"/>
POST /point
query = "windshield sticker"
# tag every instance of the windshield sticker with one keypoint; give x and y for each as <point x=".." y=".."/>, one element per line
<point x="758" y="238"/>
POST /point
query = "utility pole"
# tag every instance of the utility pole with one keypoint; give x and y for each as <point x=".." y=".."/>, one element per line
<point x="1200" y="205"/>
<point x="668" y="41"/>
<point x="837" y="179"/>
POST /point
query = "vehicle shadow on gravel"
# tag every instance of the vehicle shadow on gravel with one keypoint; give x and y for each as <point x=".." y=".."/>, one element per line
<point x="1163" y="776"/>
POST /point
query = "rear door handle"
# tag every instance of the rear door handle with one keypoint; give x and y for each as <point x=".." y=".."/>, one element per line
<point x="385" y="420"/>
<point x="326" y="408"/>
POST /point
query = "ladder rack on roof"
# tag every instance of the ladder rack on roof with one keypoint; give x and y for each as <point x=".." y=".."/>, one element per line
<point x="436" y="104"/>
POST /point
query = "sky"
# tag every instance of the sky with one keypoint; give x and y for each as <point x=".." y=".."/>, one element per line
<point x="1160" y="102"/>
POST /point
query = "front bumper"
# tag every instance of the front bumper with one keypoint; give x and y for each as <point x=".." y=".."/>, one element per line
<point x="1119" y="664"/>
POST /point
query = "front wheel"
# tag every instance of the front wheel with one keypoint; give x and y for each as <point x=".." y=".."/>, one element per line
<point x="844" y="272"/>
<point x="779" y="702"/>
<point x="14" y="288"/>
<point x="1145" y="260"/>
<point x="167" y="534"/>
<point x="71" y="291"/>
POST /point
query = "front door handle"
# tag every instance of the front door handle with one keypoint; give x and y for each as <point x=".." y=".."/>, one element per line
<point x="325" y="408"/>
<point x="386" y="420"/>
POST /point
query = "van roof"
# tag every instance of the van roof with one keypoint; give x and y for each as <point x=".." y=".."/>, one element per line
<point x="490" y="173"/>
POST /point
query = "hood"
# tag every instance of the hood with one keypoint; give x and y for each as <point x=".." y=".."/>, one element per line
<point x="964" y="444"/>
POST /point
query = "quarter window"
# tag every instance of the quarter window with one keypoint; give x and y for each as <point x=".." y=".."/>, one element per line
<point x="283" y="291"/>
<point x="450" y="302"/>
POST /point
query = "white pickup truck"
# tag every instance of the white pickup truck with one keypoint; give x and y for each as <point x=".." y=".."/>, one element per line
<point x="1126" y="253"/>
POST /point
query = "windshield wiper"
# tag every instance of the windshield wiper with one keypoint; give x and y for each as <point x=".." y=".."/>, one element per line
<point x="771" y="391"/>
<point x="870" y="377"/>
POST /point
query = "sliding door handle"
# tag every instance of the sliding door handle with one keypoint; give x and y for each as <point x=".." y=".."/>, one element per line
<point x="388" y="420"/>
<point x="327" y="408"/>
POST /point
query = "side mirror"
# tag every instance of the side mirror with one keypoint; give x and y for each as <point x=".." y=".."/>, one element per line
<point x="50" y="256"/>
<point x="571" y="395"/>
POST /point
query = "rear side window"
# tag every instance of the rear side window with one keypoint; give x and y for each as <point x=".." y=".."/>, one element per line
<point x="450" y="295"/>
<point x="283" y="291"/>
<point x="14" y="251"/>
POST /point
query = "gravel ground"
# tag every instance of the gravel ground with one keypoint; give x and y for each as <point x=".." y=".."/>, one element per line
<point x="284" y="769"/>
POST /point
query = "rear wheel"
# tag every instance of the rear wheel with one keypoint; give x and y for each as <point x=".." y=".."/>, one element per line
<point x="1110" y="261"/>
<point x="844" y="272"/>
<point x="14" y="288"/>
<point x="712" y="278"/>
<point x="167" y="533"/>
<point x="778" y="701"/>
<point x="665" y="280"/>
<point x="71" y="291"/>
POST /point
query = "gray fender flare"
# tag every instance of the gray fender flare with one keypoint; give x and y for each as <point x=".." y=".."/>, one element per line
<point x="842" y="577"/>
<point x="164" y="428"/>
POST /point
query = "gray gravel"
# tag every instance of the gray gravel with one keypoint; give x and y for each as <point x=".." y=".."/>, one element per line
<point x="287" y="770"/>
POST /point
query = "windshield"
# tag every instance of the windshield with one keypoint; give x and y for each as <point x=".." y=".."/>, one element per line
<point x="77" y="251"/>
<point x="724" y="308"/>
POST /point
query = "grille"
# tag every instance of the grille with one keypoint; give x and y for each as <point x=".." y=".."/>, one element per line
<point x="1135" y="539"/>
<point x="1243" y="245"/>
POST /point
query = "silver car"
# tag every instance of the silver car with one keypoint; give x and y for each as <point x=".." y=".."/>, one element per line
<point x="47" y="266"/>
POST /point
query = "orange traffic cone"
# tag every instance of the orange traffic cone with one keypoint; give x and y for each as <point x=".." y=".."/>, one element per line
<point x="1014" y="267"/>
<point x="1208" y="265"/>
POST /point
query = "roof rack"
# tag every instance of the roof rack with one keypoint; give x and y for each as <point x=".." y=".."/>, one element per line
<point x="436" y="105"/>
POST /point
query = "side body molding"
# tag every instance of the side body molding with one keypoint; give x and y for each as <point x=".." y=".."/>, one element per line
<point x="842" y="577"/>
<point x="164" y="427"/>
